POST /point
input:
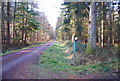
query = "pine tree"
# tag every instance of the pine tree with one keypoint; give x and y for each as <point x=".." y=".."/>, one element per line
<point x="91" y="29"/>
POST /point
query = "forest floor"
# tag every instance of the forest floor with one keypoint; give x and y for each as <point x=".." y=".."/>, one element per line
<point x="46" y="61"/>
<point x="19" y="46"/>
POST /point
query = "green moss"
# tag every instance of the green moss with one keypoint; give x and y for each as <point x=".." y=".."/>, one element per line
<point x="88" y="49"/>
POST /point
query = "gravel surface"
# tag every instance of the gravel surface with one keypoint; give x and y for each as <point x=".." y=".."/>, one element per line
<point x="16" y="64"/>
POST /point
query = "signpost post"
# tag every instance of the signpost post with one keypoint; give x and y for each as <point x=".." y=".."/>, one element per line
<point x="74" y="48"/>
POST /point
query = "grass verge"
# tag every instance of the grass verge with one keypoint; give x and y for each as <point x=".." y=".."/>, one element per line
<point x="55" y="59"/>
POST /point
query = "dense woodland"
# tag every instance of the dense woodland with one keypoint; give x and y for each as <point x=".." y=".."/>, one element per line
<point x="22" y="23"/>
<point x="94" y="23"/>
<point x="86" y="38"/>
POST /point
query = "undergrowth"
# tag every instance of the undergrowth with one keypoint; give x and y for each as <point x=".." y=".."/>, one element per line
<point x="17" y="47"/>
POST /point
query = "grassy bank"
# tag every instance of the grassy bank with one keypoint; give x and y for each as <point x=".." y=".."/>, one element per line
<point x="55" y="59"/>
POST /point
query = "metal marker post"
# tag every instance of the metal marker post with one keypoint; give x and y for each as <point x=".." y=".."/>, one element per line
<point x="74" y="49"/>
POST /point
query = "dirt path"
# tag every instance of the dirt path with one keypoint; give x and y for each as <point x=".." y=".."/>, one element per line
<point x="22" y="65"/>
<point x="14" y="64"/>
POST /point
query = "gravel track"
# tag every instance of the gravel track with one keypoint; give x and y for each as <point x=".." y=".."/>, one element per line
<point x="15" y="63"/>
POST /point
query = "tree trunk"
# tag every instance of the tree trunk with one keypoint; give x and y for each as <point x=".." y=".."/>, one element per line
<point x="113" y="25"/>
<point x="118" y="26"/>
<point x="91" y="29"/>
<point x="8" y="24"/>
<point x="37" y="35"/>
<point x="0" y="34"/>
<point x="14" y="32"/>
<point x="2" y="22"/>
<point x="26" y="22"/>
<point x="23" y="26"/>
<point x="102" y="25"/>
<point x="109" y="25"/>
<point x="73" y="25"/>
<point x="23" y="31"/>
